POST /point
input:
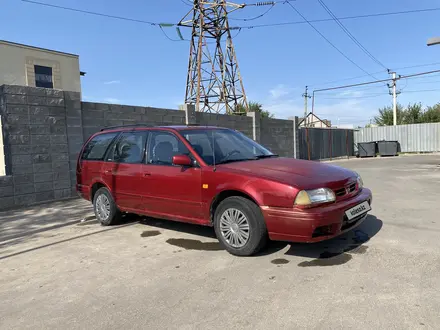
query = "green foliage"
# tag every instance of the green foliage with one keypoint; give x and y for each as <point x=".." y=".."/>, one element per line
<point x="385" y="117"/>
<point x="412" y="114"/>
<point x="432" y="114"/>
<point x="255" y="107"/>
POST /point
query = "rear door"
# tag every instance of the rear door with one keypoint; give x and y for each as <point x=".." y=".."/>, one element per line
<point x="173" y="191"/>
<point x="122" y="171"/>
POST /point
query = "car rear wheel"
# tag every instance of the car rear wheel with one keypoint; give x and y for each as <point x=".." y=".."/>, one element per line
<point x="105" y="208"/>
<point x="239" y="226"/>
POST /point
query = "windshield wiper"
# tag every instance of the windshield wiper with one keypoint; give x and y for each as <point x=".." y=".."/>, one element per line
<point x="266" y="156"/>
<point x="235" y="160"/>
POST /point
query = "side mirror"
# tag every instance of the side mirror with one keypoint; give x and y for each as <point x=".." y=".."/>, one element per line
<point x="182" y="160"/>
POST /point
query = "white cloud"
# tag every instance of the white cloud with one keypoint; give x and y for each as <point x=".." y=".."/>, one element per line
<point x="279" y="91"/>
<point x="112" y="82"/>
<point x="112" y="100"/>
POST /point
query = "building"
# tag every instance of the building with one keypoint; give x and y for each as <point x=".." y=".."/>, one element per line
<point x="312" y="120"/>
<point x="38" y="67"/>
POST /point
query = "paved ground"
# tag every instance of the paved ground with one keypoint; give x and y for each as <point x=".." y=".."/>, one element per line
<point x="56" y="273"/>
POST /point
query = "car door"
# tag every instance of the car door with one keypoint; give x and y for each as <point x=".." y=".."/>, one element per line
<point x="123" y="169"/>
<point x="170" y="190"/>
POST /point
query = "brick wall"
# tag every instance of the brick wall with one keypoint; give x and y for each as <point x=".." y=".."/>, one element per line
<point x="44" y="130"/>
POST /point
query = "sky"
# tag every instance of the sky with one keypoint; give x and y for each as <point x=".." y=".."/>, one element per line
<point x="134" y="63"/>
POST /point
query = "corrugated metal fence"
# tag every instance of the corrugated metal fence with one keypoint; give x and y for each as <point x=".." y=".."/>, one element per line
<point x="323" y="143"/>
<point x="412" y="138"/>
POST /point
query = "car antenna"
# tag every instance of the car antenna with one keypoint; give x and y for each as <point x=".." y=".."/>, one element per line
<point x="213" y="151"/>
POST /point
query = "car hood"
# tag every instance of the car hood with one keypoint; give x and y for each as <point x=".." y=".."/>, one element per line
<point x="302" y="174"/>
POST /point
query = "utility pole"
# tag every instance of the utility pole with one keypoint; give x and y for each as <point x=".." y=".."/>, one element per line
<point x="214" y="83"/>
<point x="394" y="93"/>
<point x="306" y="97"/>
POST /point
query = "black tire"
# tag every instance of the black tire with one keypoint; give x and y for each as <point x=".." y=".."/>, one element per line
<point x="114" y="215"/>
<point x="257" y="226"/>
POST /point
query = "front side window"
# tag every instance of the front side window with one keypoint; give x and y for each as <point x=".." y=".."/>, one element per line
<point x="43" y="76"/>
<point x="130" y="148"/>
<point x="225" y="145"/>
<point x="163" y="146"/>
<point x="97" y="147"/>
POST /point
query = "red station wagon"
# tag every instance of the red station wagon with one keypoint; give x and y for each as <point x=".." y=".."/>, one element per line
<point x="218" y="177"/>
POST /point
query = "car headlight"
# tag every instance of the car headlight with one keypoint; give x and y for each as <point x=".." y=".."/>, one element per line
<point x="359" y="180"/>
<point x="316" y="196"/>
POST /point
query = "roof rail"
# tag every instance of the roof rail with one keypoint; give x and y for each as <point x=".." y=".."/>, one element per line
<point x="126" y="126"/>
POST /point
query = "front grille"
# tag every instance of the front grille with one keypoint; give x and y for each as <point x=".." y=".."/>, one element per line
<point x="345" y="190"/>
<point x="340" y="192"/>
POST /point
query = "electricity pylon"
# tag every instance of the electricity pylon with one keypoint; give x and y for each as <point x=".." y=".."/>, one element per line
<point x="213" y="83"/>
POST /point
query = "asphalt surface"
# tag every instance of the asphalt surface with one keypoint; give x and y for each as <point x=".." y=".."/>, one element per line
<point x="58" y="273"/>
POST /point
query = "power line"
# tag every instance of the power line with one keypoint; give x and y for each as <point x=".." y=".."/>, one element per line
<point x="355" y="97"/>
<point x="426" y="82"/>
<point x="328" y="41"/>
<point x="253" y="18"/>
<point x="93" y="13"/>
<point x="401" y="68"/>
<point x="168" y="37"/>
<point x="187" y="3"/>
<point x="423" y="91"/>
<point x="343" y="18"/>
<point x="259" y="4"/>
<point x="350" y="35"/>
<point x="418" y="66"/>
<point x="376" y="81"/>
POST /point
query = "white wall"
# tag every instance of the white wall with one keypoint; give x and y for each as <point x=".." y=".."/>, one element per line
<point x="17" y="64"/>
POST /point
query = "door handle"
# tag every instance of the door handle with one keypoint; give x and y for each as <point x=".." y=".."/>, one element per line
<point x="108" y="172"/>
<point x="147" y="174"/>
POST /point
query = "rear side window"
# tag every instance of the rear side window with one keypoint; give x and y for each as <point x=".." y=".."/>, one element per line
<point x="97" y="147"/>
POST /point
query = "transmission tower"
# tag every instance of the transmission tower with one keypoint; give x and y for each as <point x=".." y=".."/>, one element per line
<point x="214" y="84"/>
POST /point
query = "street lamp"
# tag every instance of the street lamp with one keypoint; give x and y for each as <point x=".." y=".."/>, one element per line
<point x="433" y="41"/>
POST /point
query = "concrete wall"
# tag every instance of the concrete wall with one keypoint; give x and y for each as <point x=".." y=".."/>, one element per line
<point x="2" y="153"/>
<point x="278" y="136"/>
<point x="36" y="146"/>
<point x="44" y="130"/>
<point x="17" y="66"/>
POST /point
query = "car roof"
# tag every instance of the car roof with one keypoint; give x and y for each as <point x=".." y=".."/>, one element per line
<point x="147" y="127"/>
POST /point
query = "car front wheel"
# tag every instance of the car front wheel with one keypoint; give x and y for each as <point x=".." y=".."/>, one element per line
<point x="105" y="208"/>
<point x="240" y="226"/>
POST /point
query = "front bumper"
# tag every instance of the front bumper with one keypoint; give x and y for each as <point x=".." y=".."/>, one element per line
<point x="314" y="224"/>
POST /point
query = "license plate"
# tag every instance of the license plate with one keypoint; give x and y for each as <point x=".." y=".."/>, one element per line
<point x="358" y="210"/>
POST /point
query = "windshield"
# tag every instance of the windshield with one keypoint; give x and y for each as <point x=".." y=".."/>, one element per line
<point x="229" y="146"/>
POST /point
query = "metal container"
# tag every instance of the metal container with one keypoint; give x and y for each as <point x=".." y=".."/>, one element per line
<point x="367" y="149"/>
<point x="388" y="148"/>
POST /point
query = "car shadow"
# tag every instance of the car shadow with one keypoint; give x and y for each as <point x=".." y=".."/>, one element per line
<point x="182" y="227"/>
<point x="334" y="251"/>
<point x="338" y="250"/>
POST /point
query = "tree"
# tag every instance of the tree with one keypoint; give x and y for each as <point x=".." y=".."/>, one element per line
<point x="256" y="107"/>
<point x="432" y="114"/>
<point x="385" y="117"/>
<point x="413" y="114"/>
